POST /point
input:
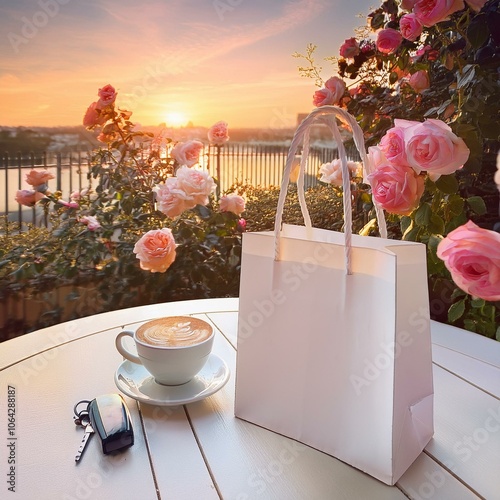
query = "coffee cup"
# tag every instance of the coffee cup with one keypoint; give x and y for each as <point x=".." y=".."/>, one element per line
<point x="173" y="349"/>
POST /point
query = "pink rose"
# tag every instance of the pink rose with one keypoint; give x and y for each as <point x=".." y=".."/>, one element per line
<point x="323" y="97"/>
<point x="107" y="96"/>
<point x="172" y="200"/>
<point x="38" y="177"/>
<point x="78" y="195"/>
<point x="421" y="52"/>
<point x="388" y="40"/>
<point x="331" y="94"/>
<point x="396" y="189"/>
<point x="68" y="204"/>
<point x="156" y="250"/>
<point x="232" y="203"/>
<point x="218" y="133"/>
<point x="472" y="255"/>
<point x="393" y="146"/>
<point x="419" y="81"/>
<point x="187" y="153"/>
<point x="337" y="87"/>
<point x="350" y="48"/>
<point x="433" y="147"/>
<point x="376" y="157"/>
<point x="94" y="117"/>
<point x="430" y="12"/>
<point x="242" y="225"/>
<point x="476" y="5"/>
<point x="410" y="27"/>
<point x="91" y="222"/>
<point x="331" y="173"/>
<point x="196" y="184"/>
<point x="28" y="197"/>
<point x="407" y="5"/>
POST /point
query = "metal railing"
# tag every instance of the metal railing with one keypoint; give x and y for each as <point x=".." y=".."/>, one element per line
<point x="247" y="163"/>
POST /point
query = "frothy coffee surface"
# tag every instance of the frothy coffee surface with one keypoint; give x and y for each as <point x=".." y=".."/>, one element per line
<point x="174" y="331"/>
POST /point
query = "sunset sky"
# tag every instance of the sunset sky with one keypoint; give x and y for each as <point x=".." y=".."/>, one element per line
<point x="170" y="60"/>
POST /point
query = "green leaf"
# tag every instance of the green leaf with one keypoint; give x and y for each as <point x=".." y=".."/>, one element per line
<point x="456" y="311"/>
<point x="405" y="223"/>
<point x="376" y="20"/>
<point x="467" y="76"/>
<point x="436" y="225"/>
<point x="498" y="334"/>
<point x="477" y="205"/>
<point x="478" y="31"/>
<point x="458" y="292"/>
<point x="477" y="303"/>
<point x="411" y="234"/>
<point x="423" y="215"/>
<point x="455" y="205"/>
<point x="433" y="243"/>
<point x="447" y="184"/>
<point x="393" y="77"/>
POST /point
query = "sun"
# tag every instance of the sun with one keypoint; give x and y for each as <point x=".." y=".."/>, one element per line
<point x="175" y="119"/>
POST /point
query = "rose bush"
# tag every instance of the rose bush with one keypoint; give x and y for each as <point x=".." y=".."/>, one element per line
<point x="425" y="90"/>
<point x="148" y="228"/>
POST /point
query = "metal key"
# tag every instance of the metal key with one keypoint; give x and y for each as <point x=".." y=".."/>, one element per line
<point x="84" y="421"/>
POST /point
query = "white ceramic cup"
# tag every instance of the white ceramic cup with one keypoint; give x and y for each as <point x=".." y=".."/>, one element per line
<point x="171" y="361"/>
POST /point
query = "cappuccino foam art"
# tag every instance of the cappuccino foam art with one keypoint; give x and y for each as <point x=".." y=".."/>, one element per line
<point x="174" y="331"/>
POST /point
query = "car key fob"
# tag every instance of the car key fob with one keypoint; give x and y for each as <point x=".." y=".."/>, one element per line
<point x="110" y="419"/>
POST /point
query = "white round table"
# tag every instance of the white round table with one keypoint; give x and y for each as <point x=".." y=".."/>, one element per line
<point x="200" y="450"/>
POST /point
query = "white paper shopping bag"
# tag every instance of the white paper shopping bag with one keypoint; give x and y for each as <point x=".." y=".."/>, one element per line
<point x="333" y="339"/>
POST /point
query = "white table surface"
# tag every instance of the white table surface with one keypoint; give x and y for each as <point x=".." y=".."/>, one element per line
<point x="200" y="450"/>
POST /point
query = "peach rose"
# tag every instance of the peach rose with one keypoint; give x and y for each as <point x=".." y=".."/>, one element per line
<point x="196" y="184"/>
<point x="187" y="153"/>
<point x="91" y="222"/>
<point x="37" y="178"/>
<point x="331" y="173"/>
<point x="377" y="157"/>
<point x="410" y="27"/>
<point x="232" y="203"/>
<point x="107" y="96"/>
<point x="472" y="255"/>
<point x="350" y="48"/>
<point x="430" y="12"/>
<point x="396" y="189"/>
<point x="218" y="133"/>
<point x="172" y="200"/>
<point x="337" y="87"/>
<point x="388" y="40"/>
<point x="393" y="146"/>
<point x="156" y="250"/>
<point x="28" y="197"/>
<point x="433" y="147"/>
<point x="322" y="97"/>
<point x="94" y="117"/>
<point x="419" y="81"/>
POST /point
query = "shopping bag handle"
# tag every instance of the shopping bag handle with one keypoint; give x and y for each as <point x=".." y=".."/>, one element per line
<point x="328" y="115"/>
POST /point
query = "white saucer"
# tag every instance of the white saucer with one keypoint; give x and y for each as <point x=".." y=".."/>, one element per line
<point x="135" y="381"/>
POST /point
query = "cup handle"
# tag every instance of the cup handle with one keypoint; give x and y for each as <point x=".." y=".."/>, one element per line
<point x="123" y="350"/>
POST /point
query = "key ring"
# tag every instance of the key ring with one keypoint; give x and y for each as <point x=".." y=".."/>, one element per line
<point x="78" y="414"/>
